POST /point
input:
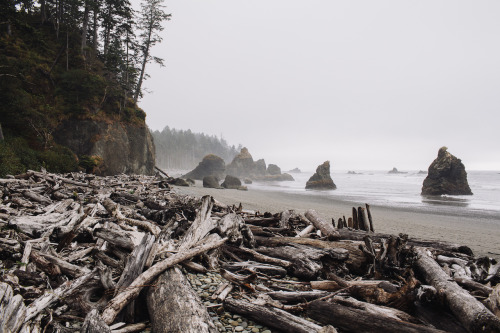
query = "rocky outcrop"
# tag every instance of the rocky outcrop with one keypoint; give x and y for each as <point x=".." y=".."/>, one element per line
<point x="321" y="180"/>
<point x="295" y="170"/>
<point x="396" y="171"/>
<point x="242" y="165"/>
<point x="446" y="175"/>
<point x="211" y="182"/>
<point x="260" y="167"/>
<point x="211" y="165"/>
<point x="122" y="148"/>
<point x="273" y="169"/>
<point x="231" y="182"/>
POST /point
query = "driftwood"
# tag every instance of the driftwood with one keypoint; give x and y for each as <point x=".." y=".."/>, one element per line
<point x="80" y="249"/>
<point x="354" y="316"/>
<point x="172" y="297"/>
<point x="271" y="317"/>
<point x="326" y="227"/>
<point x="471" y="313"/>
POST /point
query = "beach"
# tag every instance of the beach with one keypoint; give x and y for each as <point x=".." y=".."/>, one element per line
<point x="480" y="232"/>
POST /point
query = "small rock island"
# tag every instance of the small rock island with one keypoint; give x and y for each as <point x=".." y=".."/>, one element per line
<point x="446" y="175"/>
<point x="321" y="180"/>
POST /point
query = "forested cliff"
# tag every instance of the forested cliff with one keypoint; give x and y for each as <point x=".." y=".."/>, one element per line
<point x="76" y="67"/>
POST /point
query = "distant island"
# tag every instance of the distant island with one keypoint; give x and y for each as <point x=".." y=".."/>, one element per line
<point x="396" y="171"/>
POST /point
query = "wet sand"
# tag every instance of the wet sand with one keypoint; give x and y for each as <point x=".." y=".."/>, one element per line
<point x="481" y="233"/>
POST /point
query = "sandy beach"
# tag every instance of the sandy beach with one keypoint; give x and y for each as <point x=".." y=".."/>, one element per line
<point x="480" y="233"/>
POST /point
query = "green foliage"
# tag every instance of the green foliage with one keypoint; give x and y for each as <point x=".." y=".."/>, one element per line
<point x="80" y="90"/>
<point x="10" y="163"/>
<point x="59" y="159"/>
<point x="89" y="163"/>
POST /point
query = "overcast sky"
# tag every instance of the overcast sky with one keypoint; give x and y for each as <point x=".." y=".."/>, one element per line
<point x="364" y="84"/>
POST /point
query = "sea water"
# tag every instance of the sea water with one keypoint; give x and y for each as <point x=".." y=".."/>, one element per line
<point x="403" y="190"/>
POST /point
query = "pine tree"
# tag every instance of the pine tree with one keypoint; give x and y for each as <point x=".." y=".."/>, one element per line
<point x="151" y="18"/>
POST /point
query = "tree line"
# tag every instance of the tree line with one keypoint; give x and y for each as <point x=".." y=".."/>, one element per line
<point x="183" y="149"/>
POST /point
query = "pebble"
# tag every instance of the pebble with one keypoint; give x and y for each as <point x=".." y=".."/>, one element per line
<point x="238" y="329"/>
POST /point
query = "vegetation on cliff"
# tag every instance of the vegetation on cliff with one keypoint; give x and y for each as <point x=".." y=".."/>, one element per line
<point x="78" y="59"/>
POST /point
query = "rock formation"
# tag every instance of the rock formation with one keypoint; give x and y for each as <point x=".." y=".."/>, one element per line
<point x="211" y="165"/>
<point x="122" y="148"/>
<point x="446" y="175"/>
<point x="211" y="182"/>
<point x="242" y="165"/>
<point x="396" y="171"/>
<point x="273" y="169"/>
<point x="321" y="180"/>
<point x="231" y="182"/>
<point x="295" y="170"/>
<point x="260" y="167"/>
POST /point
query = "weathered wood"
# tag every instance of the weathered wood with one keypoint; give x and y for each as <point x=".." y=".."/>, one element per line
<point x="66" y="267"/>
<point x="51" y="296"/>
<point x="175" y="307"/>
<point x="258" y="256"/>
<point x="271" y="317"/>
<point x="12" y="309"/>
<point x="306" y="260"/>
<point x="133" y="267"/>
<point x="363" y="222"/>
<point x="256" y="267"/>
<point x="307" y="230"/>
<point x="297" y="296"/>
<point x="326" y="227"/>
<point x="123" y="298"/>
<point x="355" y="223"/>
<point x="354" y="316"/>
<point x="93" y="323"/>
<point x="369" y="217"/>
<point x="119" y="238"/>
<point x="472" y="314"/>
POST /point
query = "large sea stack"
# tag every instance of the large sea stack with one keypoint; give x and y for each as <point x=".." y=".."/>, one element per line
<point x="446" y="175"/>
<point x="211" y="165"/>
<point x="242" y="165"/>
<point x="321" y="180"/>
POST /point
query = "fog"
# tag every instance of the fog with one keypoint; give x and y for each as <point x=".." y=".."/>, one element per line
<point x="364" y="84"/>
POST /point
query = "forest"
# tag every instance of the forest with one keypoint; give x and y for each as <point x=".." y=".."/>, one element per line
<point x="60" y="59"/>
<point x="183" y="149"/>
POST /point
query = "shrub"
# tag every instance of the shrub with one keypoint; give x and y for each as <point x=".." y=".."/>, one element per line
<point x="10" y="163"/>
<point x="59" y="159"/>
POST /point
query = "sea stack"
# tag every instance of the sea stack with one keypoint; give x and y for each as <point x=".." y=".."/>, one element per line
<point x="446" y="175"/>
<point x="321" y="180"/>
<point x="211" y="165"/>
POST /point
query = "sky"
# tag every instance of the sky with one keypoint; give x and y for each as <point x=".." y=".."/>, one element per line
<point x="364" y="84"/>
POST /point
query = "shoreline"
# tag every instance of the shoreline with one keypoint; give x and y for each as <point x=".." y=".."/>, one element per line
<point x="480" y="232"/>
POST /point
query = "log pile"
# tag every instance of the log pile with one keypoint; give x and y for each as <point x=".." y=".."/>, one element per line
<point x="81" y="253"/>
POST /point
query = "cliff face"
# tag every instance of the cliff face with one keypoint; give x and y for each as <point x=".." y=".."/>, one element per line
<point x="123" y="148"/>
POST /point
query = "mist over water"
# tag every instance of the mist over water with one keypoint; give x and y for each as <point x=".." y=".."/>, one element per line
<point x="402" y="191"/>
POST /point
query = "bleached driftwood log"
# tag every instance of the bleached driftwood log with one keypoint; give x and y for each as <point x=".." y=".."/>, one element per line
<point x="12" y="309"/>
<point x="175" y="307"/>
<point x="471" y="313"/>
<point x="272" y="317"/>
<point x="326" y="227"/>
<point x="351" y="315"/>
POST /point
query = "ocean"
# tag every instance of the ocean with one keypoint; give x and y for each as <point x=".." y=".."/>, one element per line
<point x="403" y="191"/>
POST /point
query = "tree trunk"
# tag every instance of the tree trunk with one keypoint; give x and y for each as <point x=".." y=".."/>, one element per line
<point x="326" y="227"/>
<point x="145" y="59"/>
<point x="12" y="309"/>
<point x="272" y="317"/>
<point x="174" y="306"/>
<point x="354" y="316"/>
<point x="85" y="26"/>
<point x="1" y="133"/>
<point x="470" y="312"/>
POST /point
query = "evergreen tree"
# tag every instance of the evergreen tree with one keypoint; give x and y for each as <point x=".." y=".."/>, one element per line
<point x="150" y="22"/>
